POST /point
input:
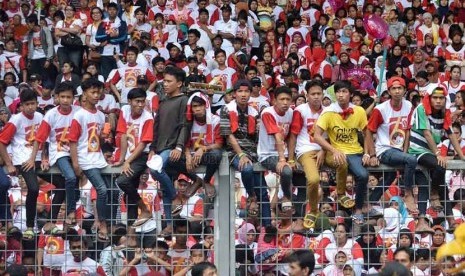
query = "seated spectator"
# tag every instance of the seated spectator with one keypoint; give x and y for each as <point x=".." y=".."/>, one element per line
<point x="80" y="262"/>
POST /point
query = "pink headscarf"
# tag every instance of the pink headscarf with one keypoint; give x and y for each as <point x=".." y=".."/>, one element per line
<point x="243" y="231"/>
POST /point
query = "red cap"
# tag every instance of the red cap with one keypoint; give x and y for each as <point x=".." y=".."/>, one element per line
<point x="391" y="81"/>
<point x="185" y="178"/>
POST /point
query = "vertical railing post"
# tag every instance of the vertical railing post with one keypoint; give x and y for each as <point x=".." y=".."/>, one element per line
<point x="224" y="220"/>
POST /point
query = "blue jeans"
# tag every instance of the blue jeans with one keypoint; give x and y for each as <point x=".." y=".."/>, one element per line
<point x="166" y="184"/>
<point x="395" y="157"/>
<point x="255" y="184"/>
<point x="5" y="213"/>
<point x="71" y="183"/>
<point x="285" y="176"/>
<point x="102" y="184"/>
<point x="360" y="174"/>
<point x="107" y="63"/>
<point x="74" y="55"/>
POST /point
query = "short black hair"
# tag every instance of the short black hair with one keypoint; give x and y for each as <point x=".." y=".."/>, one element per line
<point x="314" y="83"/>
<point x="112" y="5"/>
<point x="219" y="51"/>
<point x="91" y="83"/>
<point x="65" y="86"/>
<point x="137" y="93"/>
<point x="160" y="244"/>
<point x="250" y="68"/>
<point x="176" y="72"/>
<point x="32" y="19"/>
<point x="341" y="84"/>
<point x="305" y="259"/>
<point x="10" y="74"/>
<point x="77" y="238"/>
<point x="194" y="32"/>
<point x="199" y="100"/>
<point x="133" y="49"/>
<point x="28" y="95"/>
<point x="282" y="90"/>
<point x="203" y="10"/>
<point x="406" y="250"/>
<point x="199" y="268"/>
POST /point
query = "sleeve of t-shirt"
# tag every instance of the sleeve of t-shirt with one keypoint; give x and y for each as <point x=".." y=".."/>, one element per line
<point x="357" y="252"/>
<point x="147" y="131"/>
<point x="442" y="147"/>
<point x="75" y="131"/>
<point x="376" y="119"/>
<point x="43" y="132"/>
<point x="218" y="138"/>
<point x="122" y="126"/>
<point x="297" y="122"/>
<point x="270" y="123"/>
<point x="198" y="208"/>
<point x="323" y="120"/>
<point x="7" y="133"/>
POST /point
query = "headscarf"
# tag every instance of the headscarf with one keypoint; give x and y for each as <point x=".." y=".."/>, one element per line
<point x="190" y="116"/>
<point x="402" y="210"/>
<point x="243" y="231"/>
<point x="302" y="43"/>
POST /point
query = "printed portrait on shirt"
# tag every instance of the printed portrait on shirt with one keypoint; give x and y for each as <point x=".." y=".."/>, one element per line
<point x="55" y="245"/>
<point x="310" y="129"/>
<point x="130" y="77"/>
<point x="133" y="136"/>
<point x="397" y="128"/>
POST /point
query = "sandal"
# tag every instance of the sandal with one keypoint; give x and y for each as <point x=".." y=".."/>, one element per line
<point x="29" y="234"/>
<point x="192" y="189"/>
<point x="310" y="220"/>
<point x="346" y="202"/>
<point x="176" y="210"/>
<point x="140" y="222"/>
<point x="210" y="191"/>
<point x="102" y="237"/>
<point x="358" y="219"/>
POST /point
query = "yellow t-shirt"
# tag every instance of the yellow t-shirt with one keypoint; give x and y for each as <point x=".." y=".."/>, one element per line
<point x="343" y="133"/>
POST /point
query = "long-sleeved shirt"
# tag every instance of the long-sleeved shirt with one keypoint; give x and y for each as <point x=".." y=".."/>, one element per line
<point x="171" y="128"/>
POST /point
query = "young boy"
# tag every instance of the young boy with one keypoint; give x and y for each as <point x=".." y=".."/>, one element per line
<point x="20" y="133"/>
<point x="135" y="125"/>
<point x="272" y="148"/>
<point x="54" y="129"/>
<point x="86" y="154"/>
<point x="129" y="74"/>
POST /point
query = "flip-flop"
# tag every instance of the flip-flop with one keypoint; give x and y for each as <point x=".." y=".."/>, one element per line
<point x="192" y="189"/>
<point x="102" y="237"/>
<point x="210" y="191"/>
<point x="310" y="220"/>
<point x="176" y="210"/>
<point x="140" y="222"/>
<point x="346" y="202"/>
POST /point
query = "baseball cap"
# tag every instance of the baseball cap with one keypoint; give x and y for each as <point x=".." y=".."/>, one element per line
<point x="392" y="80"/>
<point x="256" y="81"/>
<point x="242" y="82"/>
<point x="184" y="178"/>
<point x="174" y="44"/>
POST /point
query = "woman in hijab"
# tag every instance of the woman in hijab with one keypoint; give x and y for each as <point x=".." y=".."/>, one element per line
<point x="341" y="70"/>
<point x="397" y="58"/>
<point x="367" y="242"/>
<point x="419" y="63"/>
<point x="246" y="234"/>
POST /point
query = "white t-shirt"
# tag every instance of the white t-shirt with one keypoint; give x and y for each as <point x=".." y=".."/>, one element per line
<point x="20" y="133"/>
<point x="390" y="125"/>
<point x="86" y="267"/>
<point x="137" y="130"/>
<point x="86" y="127"/>
<point x="55" y="129"/>
<point x="303" y="121"/>
<point x="61" y="24"/>
<point x="271" y="123"/>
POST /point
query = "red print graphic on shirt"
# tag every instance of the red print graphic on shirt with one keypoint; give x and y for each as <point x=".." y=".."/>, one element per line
<point x="93" y="144"/>
<point x="130" y="77"/>
<point x="30" y="135"/>
<point x="55" y="245"/>
<point x="397" y="127"/>
<point x="62" y="140"/>
<point x="310" y="130"/>
<point x="133" y="136"/>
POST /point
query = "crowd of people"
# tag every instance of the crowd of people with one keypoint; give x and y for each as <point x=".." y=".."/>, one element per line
<point x="127" y="99"/>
